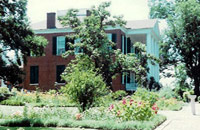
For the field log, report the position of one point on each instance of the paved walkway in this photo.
(181, 120)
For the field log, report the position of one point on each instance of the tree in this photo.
(95, 44)
(84, 85)
(182, 38)
(16, 36)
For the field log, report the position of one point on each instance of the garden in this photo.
(87, 100)
(116, 110)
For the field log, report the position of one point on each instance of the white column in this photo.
(148, 49)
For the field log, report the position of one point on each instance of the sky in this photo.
(131, 9)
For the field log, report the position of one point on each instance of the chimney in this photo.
(51, 20)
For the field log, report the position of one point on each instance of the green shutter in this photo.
(121, 43)
(124, 45)
(128, 77)
(114, 39)
(54, 45)
(128, 45)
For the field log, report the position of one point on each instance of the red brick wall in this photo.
(47, 65)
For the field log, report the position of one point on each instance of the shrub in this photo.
(167, 93)
(169, 104)
(13, 101)
(4, 90)
(52, 92)
(1, 114)
(118, 95)
(128, 110)
(198, 99)
(84, 85)
(4, 93)
(37, 96)
(145, 95)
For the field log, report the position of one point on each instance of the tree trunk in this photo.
(196, 84)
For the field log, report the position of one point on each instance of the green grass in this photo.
(30, 128)
(106, 124)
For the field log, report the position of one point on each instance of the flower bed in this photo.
(38, 100)
(99, 118)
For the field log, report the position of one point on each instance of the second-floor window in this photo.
(112, 37)
(59, 45)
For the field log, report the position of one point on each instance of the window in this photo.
(60, 45)
(59, 70)
(128, 77)
(34, 74)
(112, 37)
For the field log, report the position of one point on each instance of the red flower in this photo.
(155, 108)
(124, 101)
(131, 101)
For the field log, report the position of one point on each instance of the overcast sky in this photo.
(131, 9)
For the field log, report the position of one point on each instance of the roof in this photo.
(141, 24)
(136, 24)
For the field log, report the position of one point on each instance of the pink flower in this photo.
(155, 108)
(124, 101)
(139, 104)
(111, 107)
(118, 113)
(78, 116)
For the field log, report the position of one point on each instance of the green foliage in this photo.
(99, 113)
(1, 114)
(167, 93)
(95, 44)
(46, 99)
(186, 95)
(52, 91)
(4, 93)
(4, 90)
(118, 95)
(37, 95)
(84, 85)
(181, 40)
(13, 101)
(17, 36)
(25, 111)
(198, 99)
(145, 95)
(169, 104)
(183, 82)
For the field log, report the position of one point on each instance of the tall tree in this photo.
(181, 43)
(95, 44)
(16, 36)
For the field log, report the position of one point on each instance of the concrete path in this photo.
(181, 120)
